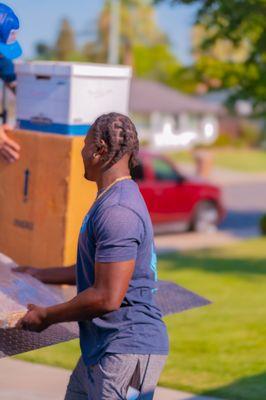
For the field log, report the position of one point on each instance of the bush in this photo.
(224, 140)
(250, 133)
(263, 224)
(250, 136)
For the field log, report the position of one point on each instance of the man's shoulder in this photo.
(116, 210)
(131, 198)
(125, 202)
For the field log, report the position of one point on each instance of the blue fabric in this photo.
(9, 23)
(7, 70)
(60, 129)
(118, 228)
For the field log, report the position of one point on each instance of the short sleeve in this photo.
(7, 70)
(118, 231)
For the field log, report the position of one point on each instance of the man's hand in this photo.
(35, 272)
(35, 320)
(9, 149)
(106, 295)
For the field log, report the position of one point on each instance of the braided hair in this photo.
(120, 135)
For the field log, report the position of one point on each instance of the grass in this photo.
(237, 159)
(218, 350)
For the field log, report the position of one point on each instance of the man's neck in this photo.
(109, 176)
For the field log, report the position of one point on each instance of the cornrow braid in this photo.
(120, 135)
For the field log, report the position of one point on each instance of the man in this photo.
(123, 339)
(9, 50)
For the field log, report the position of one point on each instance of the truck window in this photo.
(137, 173)
(163, 171)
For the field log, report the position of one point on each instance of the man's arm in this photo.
(57, 275)
(12, 86)
(9, 150)
(106, 295)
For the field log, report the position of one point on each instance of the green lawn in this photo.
(219, 350)
(245, 160)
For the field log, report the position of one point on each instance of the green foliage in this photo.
(64, 49)
(44, 52)
(155, 62)
(249, 136)
(250, 133)
(138, 27)
(65, 46)
(224, 140)
(263, 224)
(142, 45)
(242, 24)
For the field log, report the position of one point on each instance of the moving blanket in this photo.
(17, 290)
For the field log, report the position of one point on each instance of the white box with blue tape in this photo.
(65, 98)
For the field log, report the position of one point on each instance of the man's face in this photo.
(88, 152)
(92, 157)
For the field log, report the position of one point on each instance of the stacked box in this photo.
(43, 199)
(66, 98)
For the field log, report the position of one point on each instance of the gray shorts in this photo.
(114, 377)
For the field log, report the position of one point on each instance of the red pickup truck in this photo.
(177, 202)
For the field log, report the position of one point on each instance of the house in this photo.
(166, 117)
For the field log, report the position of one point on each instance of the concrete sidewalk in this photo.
(193, 241)
(21, 380)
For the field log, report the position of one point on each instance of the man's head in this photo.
(112, 142)
(9, 25)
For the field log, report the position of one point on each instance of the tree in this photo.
(65, 47)
(137, 27)
(43, 51)
(142, 44)
(155, 62)
(240, 24)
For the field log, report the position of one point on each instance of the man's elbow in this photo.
(110, 305)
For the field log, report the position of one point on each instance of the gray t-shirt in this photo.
(118, 228)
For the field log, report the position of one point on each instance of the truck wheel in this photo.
(205, 217)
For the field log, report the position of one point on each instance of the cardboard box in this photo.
(43, 199)
(65, 98)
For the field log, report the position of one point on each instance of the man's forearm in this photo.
(90, 303)
(58, 275)
(12, 86)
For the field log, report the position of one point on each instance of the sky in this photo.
(40, 21)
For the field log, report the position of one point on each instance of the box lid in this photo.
(52, 68)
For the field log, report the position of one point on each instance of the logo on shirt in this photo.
(154, 263)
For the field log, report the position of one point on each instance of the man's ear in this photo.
(103, 149)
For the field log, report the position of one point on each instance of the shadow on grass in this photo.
(248, 388)
(208, 263)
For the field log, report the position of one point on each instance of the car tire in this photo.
(205, 218)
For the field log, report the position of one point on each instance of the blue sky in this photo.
(40, 21)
